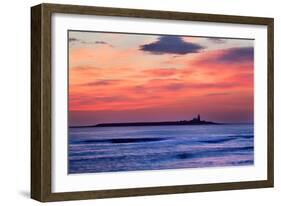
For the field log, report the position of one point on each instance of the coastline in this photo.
(134, 124)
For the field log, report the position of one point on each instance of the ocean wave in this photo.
(120, 140)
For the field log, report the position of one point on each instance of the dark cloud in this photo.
(236, 55)
(73, 40)
(103, 43)
(217, 40)
(171, 45)
(100, 42)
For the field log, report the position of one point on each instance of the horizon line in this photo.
(147, 122)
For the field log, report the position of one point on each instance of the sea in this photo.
(112, 149)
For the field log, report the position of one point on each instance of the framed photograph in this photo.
(132, 102)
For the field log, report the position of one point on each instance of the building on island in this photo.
(196, 119)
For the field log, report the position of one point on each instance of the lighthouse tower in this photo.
(198, 117)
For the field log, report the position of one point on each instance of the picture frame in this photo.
(42, 88)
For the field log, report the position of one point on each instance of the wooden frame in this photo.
(41, 102)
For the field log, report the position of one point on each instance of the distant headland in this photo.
(195, 121)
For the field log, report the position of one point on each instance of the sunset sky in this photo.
(117, 77)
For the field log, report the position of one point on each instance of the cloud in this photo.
(83, 68)
(88, 100)
(171, 45)
(100, 42)
(218, 85)
(217, 40)
(175, 86)
(236, 55)
(73, 40)
(161, 72)
(159, 86)
(103, 82)
(103, 43)
(218, 94)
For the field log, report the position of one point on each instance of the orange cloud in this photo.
(159, 72)
(108, 80)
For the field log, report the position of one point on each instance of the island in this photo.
(195, 121)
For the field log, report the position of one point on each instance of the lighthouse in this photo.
(198, 117)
